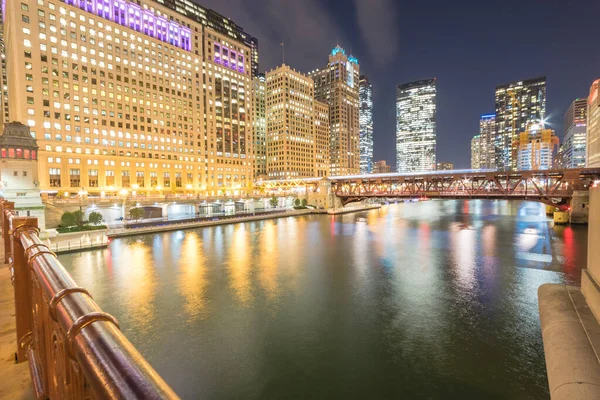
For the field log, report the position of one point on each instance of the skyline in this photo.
(459, 44)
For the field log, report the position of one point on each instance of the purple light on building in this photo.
(133, 16)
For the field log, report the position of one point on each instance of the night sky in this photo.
(469, 46)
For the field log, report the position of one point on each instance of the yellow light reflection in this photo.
(192, 279)
(239, 265)
(268, 261)
(138, 281)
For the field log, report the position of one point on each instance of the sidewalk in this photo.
(15, 382)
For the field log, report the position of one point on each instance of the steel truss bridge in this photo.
(554, 187)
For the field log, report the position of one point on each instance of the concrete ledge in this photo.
(570, 333)
(591, 292)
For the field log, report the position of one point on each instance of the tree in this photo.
(95, 218)
(79, 217)
(297, 202)
(136, 213)
(67, 219)
(304, 202)
(273, 201)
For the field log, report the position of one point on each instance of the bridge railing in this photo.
(74, 349)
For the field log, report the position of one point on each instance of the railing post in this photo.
(22, 282)
(6, 205)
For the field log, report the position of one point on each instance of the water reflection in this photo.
(408, 301)
(135, 281)
(192, 277)
(239, 266)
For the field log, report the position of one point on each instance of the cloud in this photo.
(377, 22)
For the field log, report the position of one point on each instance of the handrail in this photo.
(75, 350)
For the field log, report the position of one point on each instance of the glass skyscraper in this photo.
(416, 126)
(366, 125)
(487, 134)
(574, 140)
(518, 105)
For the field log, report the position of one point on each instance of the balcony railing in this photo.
(74, 349)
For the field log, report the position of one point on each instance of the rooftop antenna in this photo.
(283, 52)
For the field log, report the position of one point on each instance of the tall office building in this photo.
(575, 135)
(366, 125)
(518, 105)
(476, 153)
(338, 86)
(297, 129)
(259, 125)
(131, 96)
(487, 133)
(416, 126)
(593, 126)
(322, 139)
(536, 148)
(381, 167)
(206, 17)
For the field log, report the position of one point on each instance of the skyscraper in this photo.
(416, 126)
(574, 139)
(297, 129)
(366, 125)
(338, 86)
(132, 97)
(322, 139)
(593, 126)
(536, 148)
(259, 125)
(381, 167)
(208, 18)
(476, 153)
(487, 133)
(518, 105)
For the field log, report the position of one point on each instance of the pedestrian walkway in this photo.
(15, 382)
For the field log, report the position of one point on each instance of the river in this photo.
(425, 300)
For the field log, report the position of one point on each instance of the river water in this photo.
(429, 300)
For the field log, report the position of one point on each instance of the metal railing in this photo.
(74, 349)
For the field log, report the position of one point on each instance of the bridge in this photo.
(553, 187)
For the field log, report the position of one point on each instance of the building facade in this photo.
(381, 167)
(322, 139)
(130, 97)
(259, 125)
(19, 181)
(476, 153)
(416, 126)
(337, 85)
(593, 126)
(536, 149)
(572, 153)
(487, 133)
(208, 18)
(296, 134)
(366, 125)
(518, 105)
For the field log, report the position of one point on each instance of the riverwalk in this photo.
(99, 239)
(15, 382)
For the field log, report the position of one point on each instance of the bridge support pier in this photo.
(580, 206)
(570, 329)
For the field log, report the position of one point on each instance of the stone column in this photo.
(590, 278)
